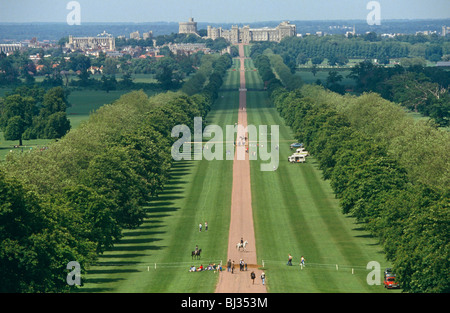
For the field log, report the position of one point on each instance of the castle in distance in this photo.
(244, 34)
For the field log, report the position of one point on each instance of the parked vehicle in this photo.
(390, 280)
(297, 158)
(302, 151)
(296, 145)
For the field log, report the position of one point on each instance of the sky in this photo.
(218, 11)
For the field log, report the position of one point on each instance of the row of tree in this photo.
(387, 170)
(72, 201)
(338, 49)
(418, 88)
(77, 71)
(268, 61)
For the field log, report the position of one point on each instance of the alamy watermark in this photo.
(74, 276)
(248, 140)
(374, 276)
(374, 16)
(74, 16)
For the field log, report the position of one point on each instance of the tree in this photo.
(36, 241)
(110, 66)
(8, 74)
(317, 60)
(164, 74)
(302, 59)
(314, 69)
(54, 100)
(17, 116)
(422, 258)
(57, 125)
(109, 83)
(127, 81)
(333, 80)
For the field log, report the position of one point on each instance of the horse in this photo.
(196, 254)
(242, 245)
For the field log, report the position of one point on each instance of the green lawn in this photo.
(198, 191)
(296, 213)
(294, 210)
(231, 81)
(83, 103)
(309, 78)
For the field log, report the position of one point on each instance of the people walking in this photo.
(252, 275)
(206, 226)
(263, 278)
(302, 261)
(200, 227)
(289, 260)
(229, 265)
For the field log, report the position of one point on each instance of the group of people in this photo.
(200, 227)
(289, 262)
(263, 277)
(230, 266)
(210, 267)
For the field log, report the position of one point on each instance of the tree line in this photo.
(72, 201)
(78, 70)
(419, 89)
(388, 171)
(415, 86)
(338, 49)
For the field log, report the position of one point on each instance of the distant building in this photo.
(247, 34)
(188, 48)
(10, 47)
(425, 32)
(445, 30)
(352, 33)
(443, 64)
(148, 35)
(187, 27)
(135, 35)
(84, 43)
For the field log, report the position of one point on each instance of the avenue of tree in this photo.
(72, 201)
(387, 170)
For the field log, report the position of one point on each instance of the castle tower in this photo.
(189, 27)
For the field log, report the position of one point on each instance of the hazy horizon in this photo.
(214, 22)
(215, 11)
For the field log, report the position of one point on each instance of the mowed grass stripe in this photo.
(295, 212)
(281, 201)
(231, 81)
(198, 191)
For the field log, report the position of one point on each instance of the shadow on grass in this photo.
(365, 234)
(137, 245)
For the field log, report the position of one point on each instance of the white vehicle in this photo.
(301, 151)
(297, 158)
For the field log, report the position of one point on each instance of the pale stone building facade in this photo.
(246, 34)
(10, 47)
(187, 27)
(104, 43)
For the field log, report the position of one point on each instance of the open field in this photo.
(294, 210)
(198, 191)
(295, 213)
(83, 103)
(309, 78)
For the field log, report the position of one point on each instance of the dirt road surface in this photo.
(241, 223)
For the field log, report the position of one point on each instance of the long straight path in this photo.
(241, 220)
